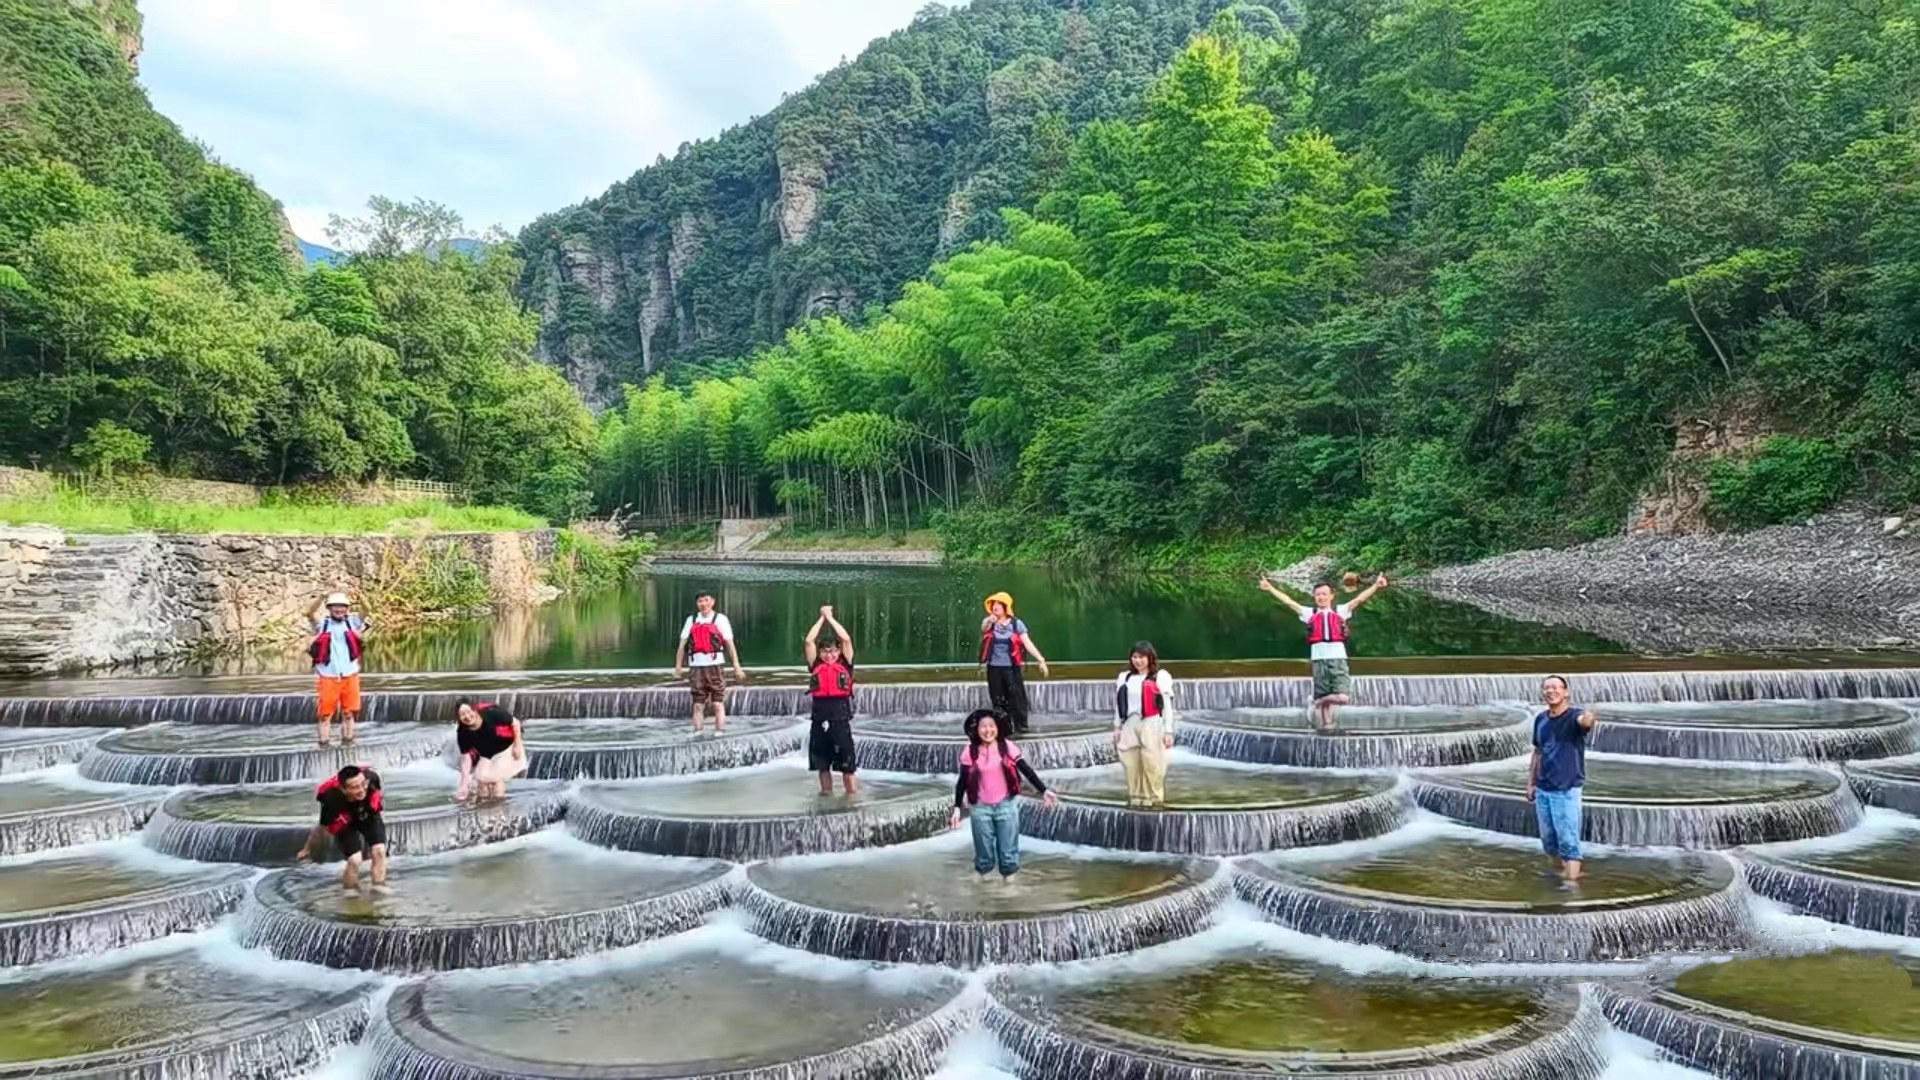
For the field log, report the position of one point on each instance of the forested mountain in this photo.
(1432, 278)
(155, 312)
(847, 190)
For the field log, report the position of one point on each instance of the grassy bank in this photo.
(76, 512)
(983, 537)
(826, 540)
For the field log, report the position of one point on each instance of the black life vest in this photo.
(832, 680)
(1151, 703)
(707, 638)
(1325, 626)
(1016, 650)
(321, 650)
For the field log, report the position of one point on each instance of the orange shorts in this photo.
(336, 693)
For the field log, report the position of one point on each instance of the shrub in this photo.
(586, 562)
(1788, 479)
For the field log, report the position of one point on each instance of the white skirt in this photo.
(501, 766)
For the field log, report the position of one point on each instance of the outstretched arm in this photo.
(1275, 591)
(811, 647)
(1367, 594)
(1586, 720)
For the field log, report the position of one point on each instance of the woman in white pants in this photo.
(1143, 726)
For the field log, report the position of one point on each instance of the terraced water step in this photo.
(1833, 730)
(616, 749)
(1455, 896)
(1837, 1014)
(1259, 1013)
(925, 904)
(1214, 809)
(104, 897)
(686, 1008)
(1873, 885)
(267, 824)
(1361, 738)
(758, 814)
(1657, 803)
(931, 742)
(43, 812)
(214, 754)
(174, 1015)
(27, 749)
(546, 898)
(1893, 783)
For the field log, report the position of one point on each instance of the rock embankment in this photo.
(1838, 581)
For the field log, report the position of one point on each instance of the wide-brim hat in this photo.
(338, 599)
(1005, 598)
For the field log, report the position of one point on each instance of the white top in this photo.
(340, 662)
(700, 659)
(1327, 650)
(1130, 682)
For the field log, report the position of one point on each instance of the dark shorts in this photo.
(709, 684)
(830, 741)
(1331, 677)
(362, 837)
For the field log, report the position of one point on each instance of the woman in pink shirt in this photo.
(990, 772)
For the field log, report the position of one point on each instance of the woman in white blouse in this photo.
(1143, 726)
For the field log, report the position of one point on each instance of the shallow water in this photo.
(1846, 991)
(29, 795)
(1893, 858)
(1666, 783)
(233, 739)
(637, 731)
(1753, 714)
(938, 882)
(951, 726)
(756, 793)
(1360, 720)
(402, 790)
(1192, 786)
(88, 878)
(1460, 868)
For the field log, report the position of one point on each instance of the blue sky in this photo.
(502, 109)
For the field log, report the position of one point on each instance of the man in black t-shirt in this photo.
(830, 739)
(350, 805)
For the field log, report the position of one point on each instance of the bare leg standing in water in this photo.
(830, 746)
(350, 805)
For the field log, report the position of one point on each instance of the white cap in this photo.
(338, 599)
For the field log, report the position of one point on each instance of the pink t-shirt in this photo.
(993, 776)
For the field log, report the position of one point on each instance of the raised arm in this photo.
(846, 639)
(1366, 594)
(811, 646)
(1275, 591)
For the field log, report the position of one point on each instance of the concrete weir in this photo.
(1216, 810)
(29, 749)
(267, 825)
(1286, 1016)
(757, 814)
(190, 754)
(1758, 730)
(1874, 886)
(615, 749)
(1659, 804)
(676, 1011)
(41, 813)
(541, 899)
(1840, 1015)
(925, 905)
(98, 899)
(1894, 783)
(931, 742)
(1362, 737)
(1458, 897)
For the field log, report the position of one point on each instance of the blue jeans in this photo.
(1559, 814)
(996, 836)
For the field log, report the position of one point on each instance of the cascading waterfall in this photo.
(1562, 1045)
(33, 749)
(1714, 825)
(1883, 907)
(1215, 832)
(1878, 785)
(978, 942)
(893, 753)
(1384, 751)
(1047, 696)
(1713, 922)
(92, 818)
(1891, 737)
(1726, 1049)
(744, 838)
(166, 756)
(102, 926)
(612, 760)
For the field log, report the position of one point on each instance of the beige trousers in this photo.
(1144, 755)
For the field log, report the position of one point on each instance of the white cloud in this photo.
(503, 109)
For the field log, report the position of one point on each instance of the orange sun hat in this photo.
(1004, 598)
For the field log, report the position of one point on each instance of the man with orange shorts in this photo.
(339, 634)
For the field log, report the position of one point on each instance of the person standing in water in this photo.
(830, 739)
(1143, 726)
(1558, 772)
(711, 636)
(339, 637)
(350, 812)
(1004, 645)
(1327, 642)
(491, 750)
(990, 772)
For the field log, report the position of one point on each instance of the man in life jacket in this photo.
(339, 636)
(1327, 642)
(830, 685)
(350, 805)
(710, 636)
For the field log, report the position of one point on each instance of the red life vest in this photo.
(1016, 651)
(1325, 626)
(322, 648)
(1008, 764)
(1151, 703)
(707, 637)
(345, 817)
(832, 680)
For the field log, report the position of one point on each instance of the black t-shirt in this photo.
(337, 811)
(494, 734)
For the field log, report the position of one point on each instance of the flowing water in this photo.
(1843, 991)
(1468, 871)
(620, 749)
(1617, 780)
(1192, 784)
(24, 749)
(174, 753)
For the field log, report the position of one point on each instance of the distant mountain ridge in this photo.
(312, 253)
